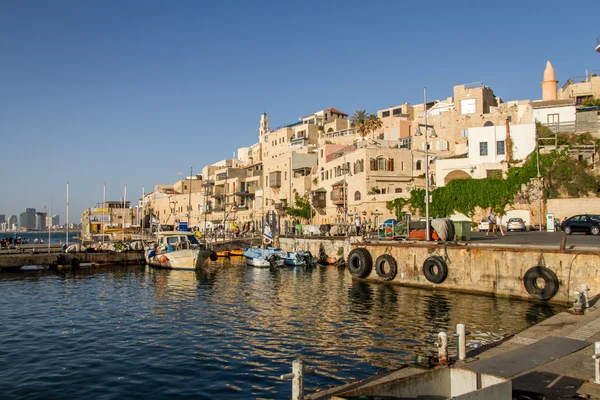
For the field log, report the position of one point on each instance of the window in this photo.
(398, 190)
(553, 119)
(419, 165)
(397, 111)
(357, 195)
(322, 173)
(464, 133)
(488, 123)
(441, 145)
(385, 114)
(483, 149)
(405, 143)
(285, 176)
(509, 118)
(500, 148)
(381, 164)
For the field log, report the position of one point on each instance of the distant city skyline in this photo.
(131, 93)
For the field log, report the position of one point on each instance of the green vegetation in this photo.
(592, 102)
(561, 175)
(365, 123)
(301, 208)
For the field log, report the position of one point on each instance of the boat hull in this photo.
(186, 259)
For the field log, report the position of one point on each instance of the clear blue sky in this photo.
(131, 92)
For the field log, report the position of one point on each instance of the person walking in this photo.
(491, 223)
(499, 223)
(357, 224)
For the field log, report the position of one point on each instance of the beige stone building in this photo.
(581, 88)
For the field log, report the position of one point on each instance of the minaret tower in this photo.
(264, 125)
(549, 83)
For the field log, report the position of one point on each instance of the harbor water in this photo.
(225, 332)
(56, 237)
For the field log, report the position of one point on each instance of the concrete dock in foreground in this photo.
(550, 360)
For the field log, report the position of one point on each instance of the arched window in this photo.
(322, 174)
(419, 165)
(381, 164)
(357, 195)
(488, 123)
(329, 130)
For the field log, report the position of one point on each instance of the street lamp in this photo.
(432, 135)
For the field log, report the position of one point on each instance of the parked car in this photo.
(515, 224)
(586, 223)
(484, 225)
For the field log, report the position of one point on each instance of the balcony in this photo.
(275, 179)
(338, 195)
(319, 198)
(241, 207)
(280, 206)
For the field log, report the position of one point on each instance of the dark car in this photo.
(585, 223)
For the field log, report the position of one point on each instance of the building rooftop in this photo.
(552, 103)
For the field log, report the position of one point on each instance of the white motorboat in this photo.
(264, 257)
(178, 250)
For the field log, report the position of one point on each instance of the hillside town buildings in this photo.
(344, 175)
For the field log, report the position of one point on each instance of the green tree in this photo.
(592, 102)
(360, 121)
(301, 208)
(397, 207)
(373, 123)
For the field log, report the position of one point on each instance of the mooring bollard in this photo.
(462, 341)
(596, 358)
(585, 290)
(297, 377)
(577, 303)
(443, 347)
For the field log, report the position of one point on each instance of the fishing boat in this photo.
(264, 257)
(224, 253)
(236, 252)
(300, 259)
(178, 250)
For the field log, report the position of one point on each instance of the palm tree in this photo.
(373, 123)
(359, 120)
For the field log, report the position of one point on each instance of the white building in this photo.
(486, 153)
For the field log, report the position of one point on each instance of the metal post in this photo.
(585, 290)
(427, 233)
(539, 175)
(462, 341)
(443, 347)
(297, 377)
(596, 358)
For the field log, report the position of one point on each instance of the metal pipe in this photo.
(427, 233)
(462, 341)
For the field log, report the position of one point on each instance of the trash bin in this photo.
(462, 230)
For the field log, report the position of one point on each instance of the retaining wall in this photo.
(489, 270)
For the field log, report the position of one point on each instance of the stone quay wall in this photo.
(488, 270)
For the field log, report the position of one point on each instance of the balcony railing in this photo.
(338, 197)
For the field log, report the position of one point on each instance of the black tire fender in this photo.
(272, 260)
(550, 288)
(435, 269)
(213, 256)
(74, 263)
(360, 262)
(392, 269)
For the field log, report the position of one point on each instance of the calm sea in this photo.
(55, 237)
(226, 332)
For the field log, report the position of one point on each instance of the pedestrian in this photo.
(499, 223)
(491, 223)
(357, 224)
(369, 225)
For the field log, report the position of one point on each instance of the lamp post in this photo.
(433, 135)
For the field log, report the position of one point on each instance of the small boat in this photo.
(264, 257)
(224, 253)
(178, 250)
(236, 252)
(300, 259)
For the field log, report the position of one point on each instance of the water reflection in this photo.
(227, 331)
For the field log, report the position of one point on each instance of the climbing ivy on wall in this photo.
(561, 174)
